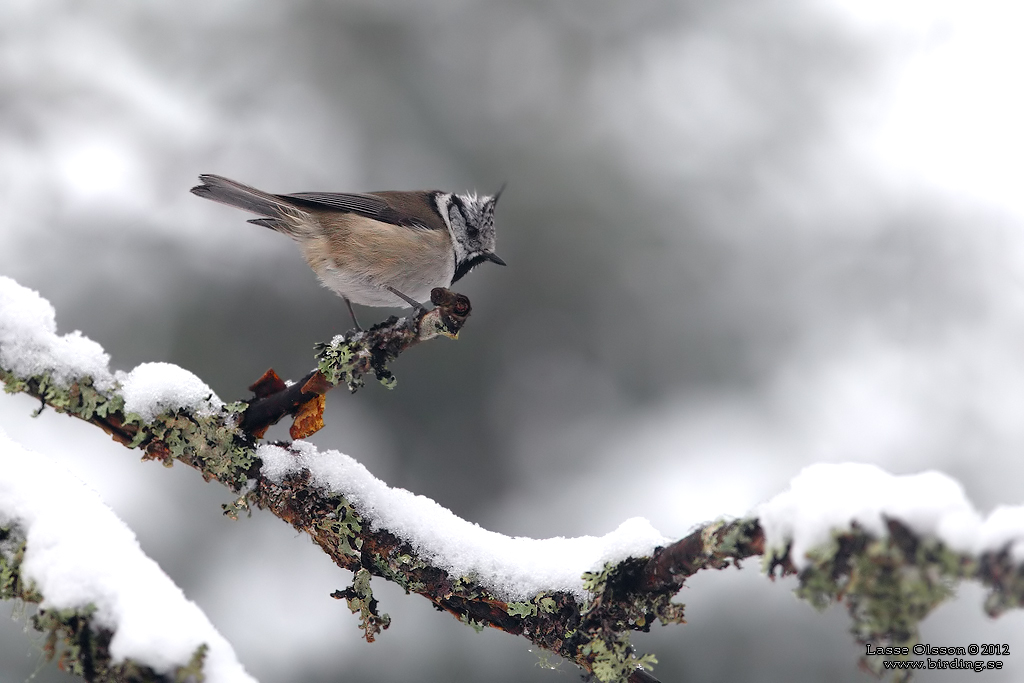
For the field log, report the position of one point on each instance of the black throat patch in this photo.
(462, 268)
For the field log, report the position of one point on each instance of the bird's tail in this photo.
(279, 214)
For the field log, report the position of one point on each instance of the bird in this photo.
(373, 248)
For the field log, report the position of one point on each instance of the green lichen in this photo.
(386, 378)
(61, 628)
(594, 582)
(345, 525)
(612, 659)
(732, 539)
(360, 600)
(235, 408)
(477, 626)
(469, 587)
(399, 567)
(12, 554)
(80, 398)
(522, 609)
(211, 444)
(12, 384)
(239, 505)
(335, 362)
(193, 671)
(889, 584)
(611, 613)
(1008, 594)
(542, 603)
(80, 647)
(346, 360)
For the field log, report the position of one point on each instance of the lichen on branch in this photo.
(347, 359)
(75, 638)
(889, 577)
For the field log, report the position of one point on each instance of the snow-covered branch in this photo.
(110, 612)
(890, 547)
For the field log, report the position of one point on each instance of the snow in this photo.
(829, 497)
(511, 568)
(79, 553)
(152, 388)
(29, 344)
(1004, 527)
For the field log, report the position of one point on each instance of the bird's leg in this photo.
(407, 299)
(353, 314)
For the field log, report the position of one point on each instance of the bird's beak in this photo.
(493, 258)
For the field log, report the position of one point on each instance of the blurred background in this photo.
(742, 237)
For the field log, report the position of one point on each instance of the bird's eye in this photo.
(472, 230)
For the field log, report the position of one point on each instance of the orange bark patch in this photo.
(310, 418)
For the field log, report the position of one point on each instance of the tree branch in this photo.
(108, 611)
(348, 360)
(889, 581)
(80, 645)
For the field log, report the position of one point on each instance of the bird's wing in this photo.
(363, 204)
(371, 206)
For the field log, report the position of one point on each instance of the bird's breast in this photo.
(359, 257)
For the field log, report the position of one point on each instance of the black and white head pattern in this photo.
(470, 220)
